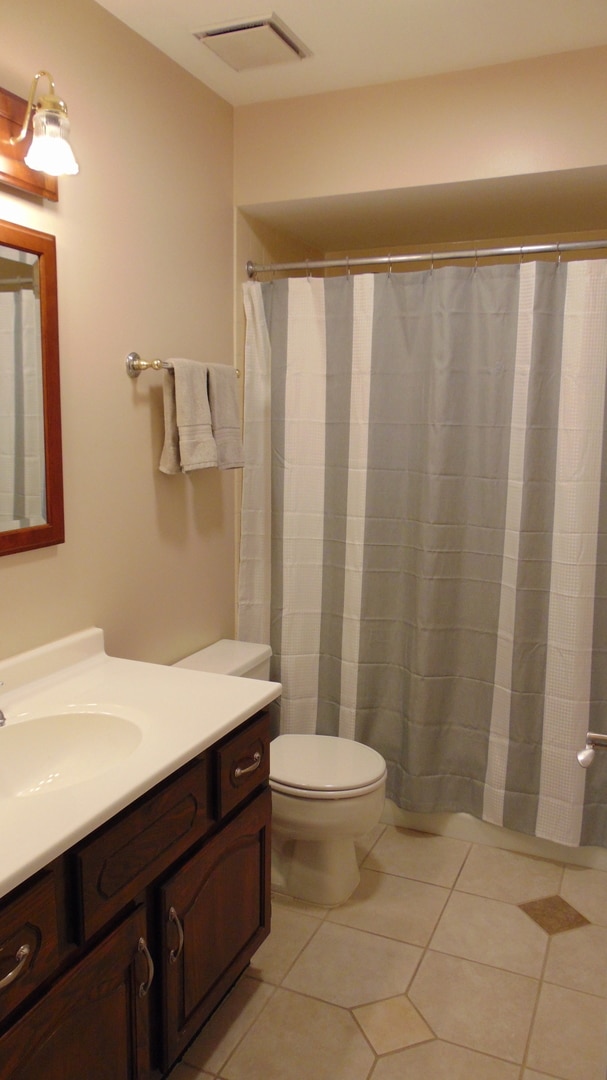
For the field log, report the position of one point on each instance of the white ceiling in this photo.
(365, 42)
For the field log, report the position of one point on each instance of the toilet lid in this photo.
(324, 766)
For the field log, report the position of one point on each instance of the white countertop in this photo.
(179, 713)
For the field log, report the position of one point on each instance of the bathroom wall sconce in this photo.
(31, 160)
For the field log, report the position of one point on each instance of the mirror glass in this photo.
(31, 490)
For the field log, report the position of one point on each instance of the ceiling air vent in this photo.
(254, 43)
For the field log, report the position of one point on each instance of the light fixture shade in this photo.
(50, 151)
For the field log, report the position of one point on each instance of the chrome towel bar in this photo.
(135, 365)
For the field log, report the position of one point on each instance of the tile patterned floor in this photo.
(451, 961)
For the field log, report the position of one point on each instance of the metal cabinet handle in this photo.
(21, 956)
(176, 953)
(250, 768)
(145, 986)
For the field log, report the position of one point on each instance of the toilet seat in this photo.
(324, 767)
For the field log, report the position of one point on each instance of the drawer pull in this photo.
(145, 986)
(176, 953)
(250, 768)
(21, 956)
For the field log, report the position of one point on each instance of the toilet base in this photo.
(324, 873)
(313, 844)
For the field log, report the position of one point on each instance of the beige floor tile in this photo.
(491, 932)
(392, 1024)
(291, 931)
(284, 901)
(578, 960)
(569, 1035)
(531, 1074)
(395, 907)
(421, 856)
(476, 1006)
(350, 967)
(587, 891)
(506, 875)
(299, 1038)
(442, 1061)
(188, 1072)
(228, 1024)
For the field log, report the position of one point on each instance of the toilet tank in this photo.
(227, 657)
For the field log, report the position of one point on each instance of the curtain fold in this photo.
(424, 528)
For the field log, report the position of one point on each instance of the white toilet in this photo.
(326, 792)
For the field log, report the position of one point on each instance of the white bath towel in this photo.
(225, 416)
(188, 435)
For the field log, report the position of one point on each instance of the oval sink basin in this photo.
(51, 752)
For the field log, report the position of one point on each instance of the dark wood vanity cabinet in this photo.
(135, 935)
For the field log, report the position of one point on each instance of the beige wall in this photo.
(145, 247)
(515, 119)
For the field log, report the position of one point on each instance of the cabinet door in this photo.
(216, 913)
(93, 1022)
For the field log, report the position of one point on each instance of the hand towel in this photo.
(188, 441)
(225, 416)
(169, 458)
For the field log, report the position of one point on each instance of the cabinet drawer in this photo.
(29, 950)
(129, 853)
(243, 763)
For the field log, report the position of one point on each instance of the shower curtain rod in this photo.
(427, 256)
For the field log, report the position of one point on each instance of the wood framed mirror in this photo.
(31, 469)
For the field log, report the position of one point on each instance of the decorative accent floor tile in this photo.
(392, 1024)
(554, 914)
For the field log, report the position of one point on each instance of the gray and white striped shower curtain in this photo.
(424, 529)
